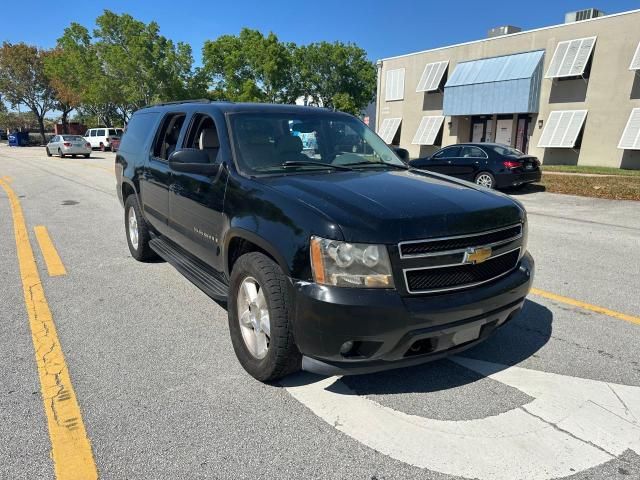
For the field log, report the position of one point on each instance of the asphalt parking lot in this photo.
(158, 393)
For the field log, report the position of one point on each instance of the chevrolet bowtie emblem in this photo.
(477, 255)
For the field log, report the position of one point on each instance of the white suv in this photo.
(102, 137)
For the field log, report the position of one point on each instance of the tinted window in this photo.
(138, 130)
(93, 133)
(449, 152)
(504, 150)
(100, 133)
(112, 132)
(473, 152)
(167, 137)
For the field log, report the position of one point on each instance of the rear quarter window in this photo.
(139, 129)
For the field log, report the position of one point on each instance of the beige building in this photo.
(569, 93)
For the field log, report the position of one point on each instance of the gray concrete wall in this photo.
(609, 94)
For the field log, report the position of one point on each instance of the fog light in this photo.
(346, 347)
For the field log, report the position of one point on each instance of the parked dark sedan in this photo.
(491, 165)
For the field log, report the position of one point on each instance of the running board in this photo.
(202, 276)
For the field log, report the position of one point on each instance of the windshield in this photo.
(277, 143)
(504, 150)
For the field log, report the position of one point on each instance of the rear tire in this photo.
(486, 179)
(48, 152)
(137, 231)
(74, 155)
(60, 153)
(271, 296)
(87, 155)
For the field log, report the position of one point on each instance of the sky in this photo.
(383, 28)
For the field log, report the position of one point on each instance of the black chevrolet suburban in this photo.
(330, 253)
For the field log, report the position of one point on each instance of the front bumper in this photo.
(391, 331)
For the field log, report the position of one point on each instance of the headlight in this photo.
(344, 264)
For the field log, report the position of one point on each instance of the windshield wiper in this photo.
(367, 163)
(302, 163)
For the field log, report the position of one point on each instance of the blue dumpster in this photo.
(18, 139)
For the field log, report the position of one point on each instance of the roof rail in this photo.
(199, 100)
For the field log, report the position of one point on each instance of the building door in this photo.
(504, 131)
(477, 132)
(522, 134)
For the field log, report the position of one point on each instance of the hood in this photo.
(392, 206)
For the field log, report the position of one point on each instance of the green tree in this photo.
(249, 67)
(141, 66)
(23, 80)
(334, 75)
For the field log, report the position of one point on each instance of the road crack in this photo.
(566, 432)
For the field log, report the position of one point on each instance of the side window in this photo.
(473, 152)
(449, 152)
(87, 133)
(203, 135)
(100, 133)
(139, 129)
(167, 137)
(92, 133)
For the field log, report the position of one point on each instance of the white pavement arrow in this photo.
(571, 425)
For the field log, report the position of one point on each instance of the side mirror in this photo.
(192, 160)
(402, 153)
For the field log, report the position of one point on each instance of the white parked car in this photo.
(68, 145)
(102, 137)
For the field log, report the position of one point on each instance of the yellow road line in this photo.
(55, 267)
(70, 446)
(586, 306)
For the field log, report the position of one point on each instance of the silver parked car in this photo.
(68, 145)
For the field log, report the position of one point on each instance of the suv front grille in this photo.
(425, 280)
(425, 248)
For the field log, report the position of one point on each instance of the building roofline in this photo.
(523, 32)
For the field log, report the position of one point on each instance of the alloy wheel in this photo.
(133, 228)
(253, 316)
(485, 180)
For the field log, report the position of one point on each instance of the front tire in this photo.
(137, 231)
(260, 318)
(486, 179)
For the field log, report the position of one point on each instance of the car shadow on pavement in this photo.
(526, 189)
(518, 340)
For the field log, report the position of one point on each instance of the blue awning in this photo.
(507, 84)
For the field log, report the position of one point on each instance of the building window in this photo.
(428, 130)
(635, 61)
(388, 129)
(562, 129)
(432, 76)
(394, 85)
(630, 139)
(571, 58)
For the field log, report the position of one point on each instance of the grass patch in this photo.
(616, 188)
(590, 170)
